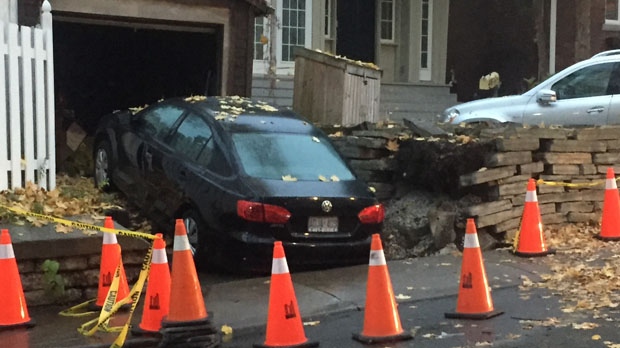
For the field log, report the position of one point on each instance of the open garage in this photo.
(103, 66)
(111, 54)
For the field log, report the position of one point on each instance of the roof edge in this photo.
(262, 6)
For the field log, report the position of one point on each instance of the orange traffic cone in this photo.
(110, 257)
(531, 240)
(474, 298)
(187, 323)
(381, 319)
(610, 221)
(157, 298)
(284, 326)
(14, 312)
(187, 303)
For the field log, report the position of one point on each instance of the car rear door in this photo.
(183, 170)
(583, 98)
(149, 129)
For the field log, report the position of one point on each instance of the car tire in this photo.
(197, 240)
(103, 166)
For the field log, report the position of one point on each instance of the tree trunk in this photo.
(542, 38)
(582, 36)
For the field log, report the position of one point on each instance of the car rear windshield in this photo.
(284, 156)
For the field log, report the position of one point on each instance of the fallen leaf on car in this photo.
(195, 98)
(372, 189)
(267, 108)
(334, 178)
(322, 178)
(289, 178)
(316, 140)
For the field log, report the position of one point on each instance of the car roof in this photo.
(240, 114)
(606, 53)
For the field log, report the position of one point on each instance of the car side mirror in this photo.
(546, 96)
(124, 116)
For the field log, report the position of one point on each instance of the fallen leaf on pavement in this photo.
(226, 330)
(312, 323)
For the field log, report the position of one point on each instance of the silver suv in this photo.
(586, 93)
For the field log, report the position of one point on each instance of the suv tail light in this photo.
(259, 212)
(372, 215)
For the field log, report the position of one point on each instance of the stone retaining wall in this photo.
(494, 165)
(371, 154)
(78, 255)
(572, 164)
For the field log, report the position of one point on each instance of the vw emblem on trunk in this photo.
(326, 206)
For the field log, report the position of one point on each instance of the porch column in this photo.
(552, 31)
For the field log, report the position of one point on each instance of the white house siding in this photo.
(399, 61)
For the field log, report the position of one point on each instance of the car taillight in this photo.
(259, 212)
(372, 215)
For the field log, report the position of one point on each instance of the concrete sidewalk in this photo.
(243, 304)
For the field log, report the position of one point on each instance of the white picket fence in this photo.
(27, 135)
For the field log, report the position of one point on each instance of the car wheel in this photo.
(104, 164)
(196, 229)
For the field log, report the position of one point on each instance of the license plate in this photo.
(323, 224)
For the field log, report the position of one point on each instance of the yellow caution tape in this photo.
(80, 225)
(111, 306)
(568, 184)
(79, 310)
(515, 241)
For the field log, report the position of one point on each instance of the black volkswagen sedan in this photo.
(242, 174)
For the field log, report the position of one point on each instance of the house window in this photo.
(426, 32)
(328, 19)
(260, 38)
(387, 21)
(611, 12)
(292, 26)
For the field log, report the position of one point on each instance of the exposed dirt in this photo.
(435, 166)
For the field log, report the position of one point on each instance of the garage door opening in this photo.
(102, 68)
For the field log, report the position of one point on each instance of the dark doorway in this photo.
(356, 29)
(100, 68)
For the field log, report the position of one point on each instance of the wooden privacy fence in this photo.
(27, 135)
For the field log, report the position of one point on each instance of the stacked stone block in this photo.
(369, 155)
(571, 163)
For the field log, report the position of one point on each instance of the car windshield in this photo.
(285, 156)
